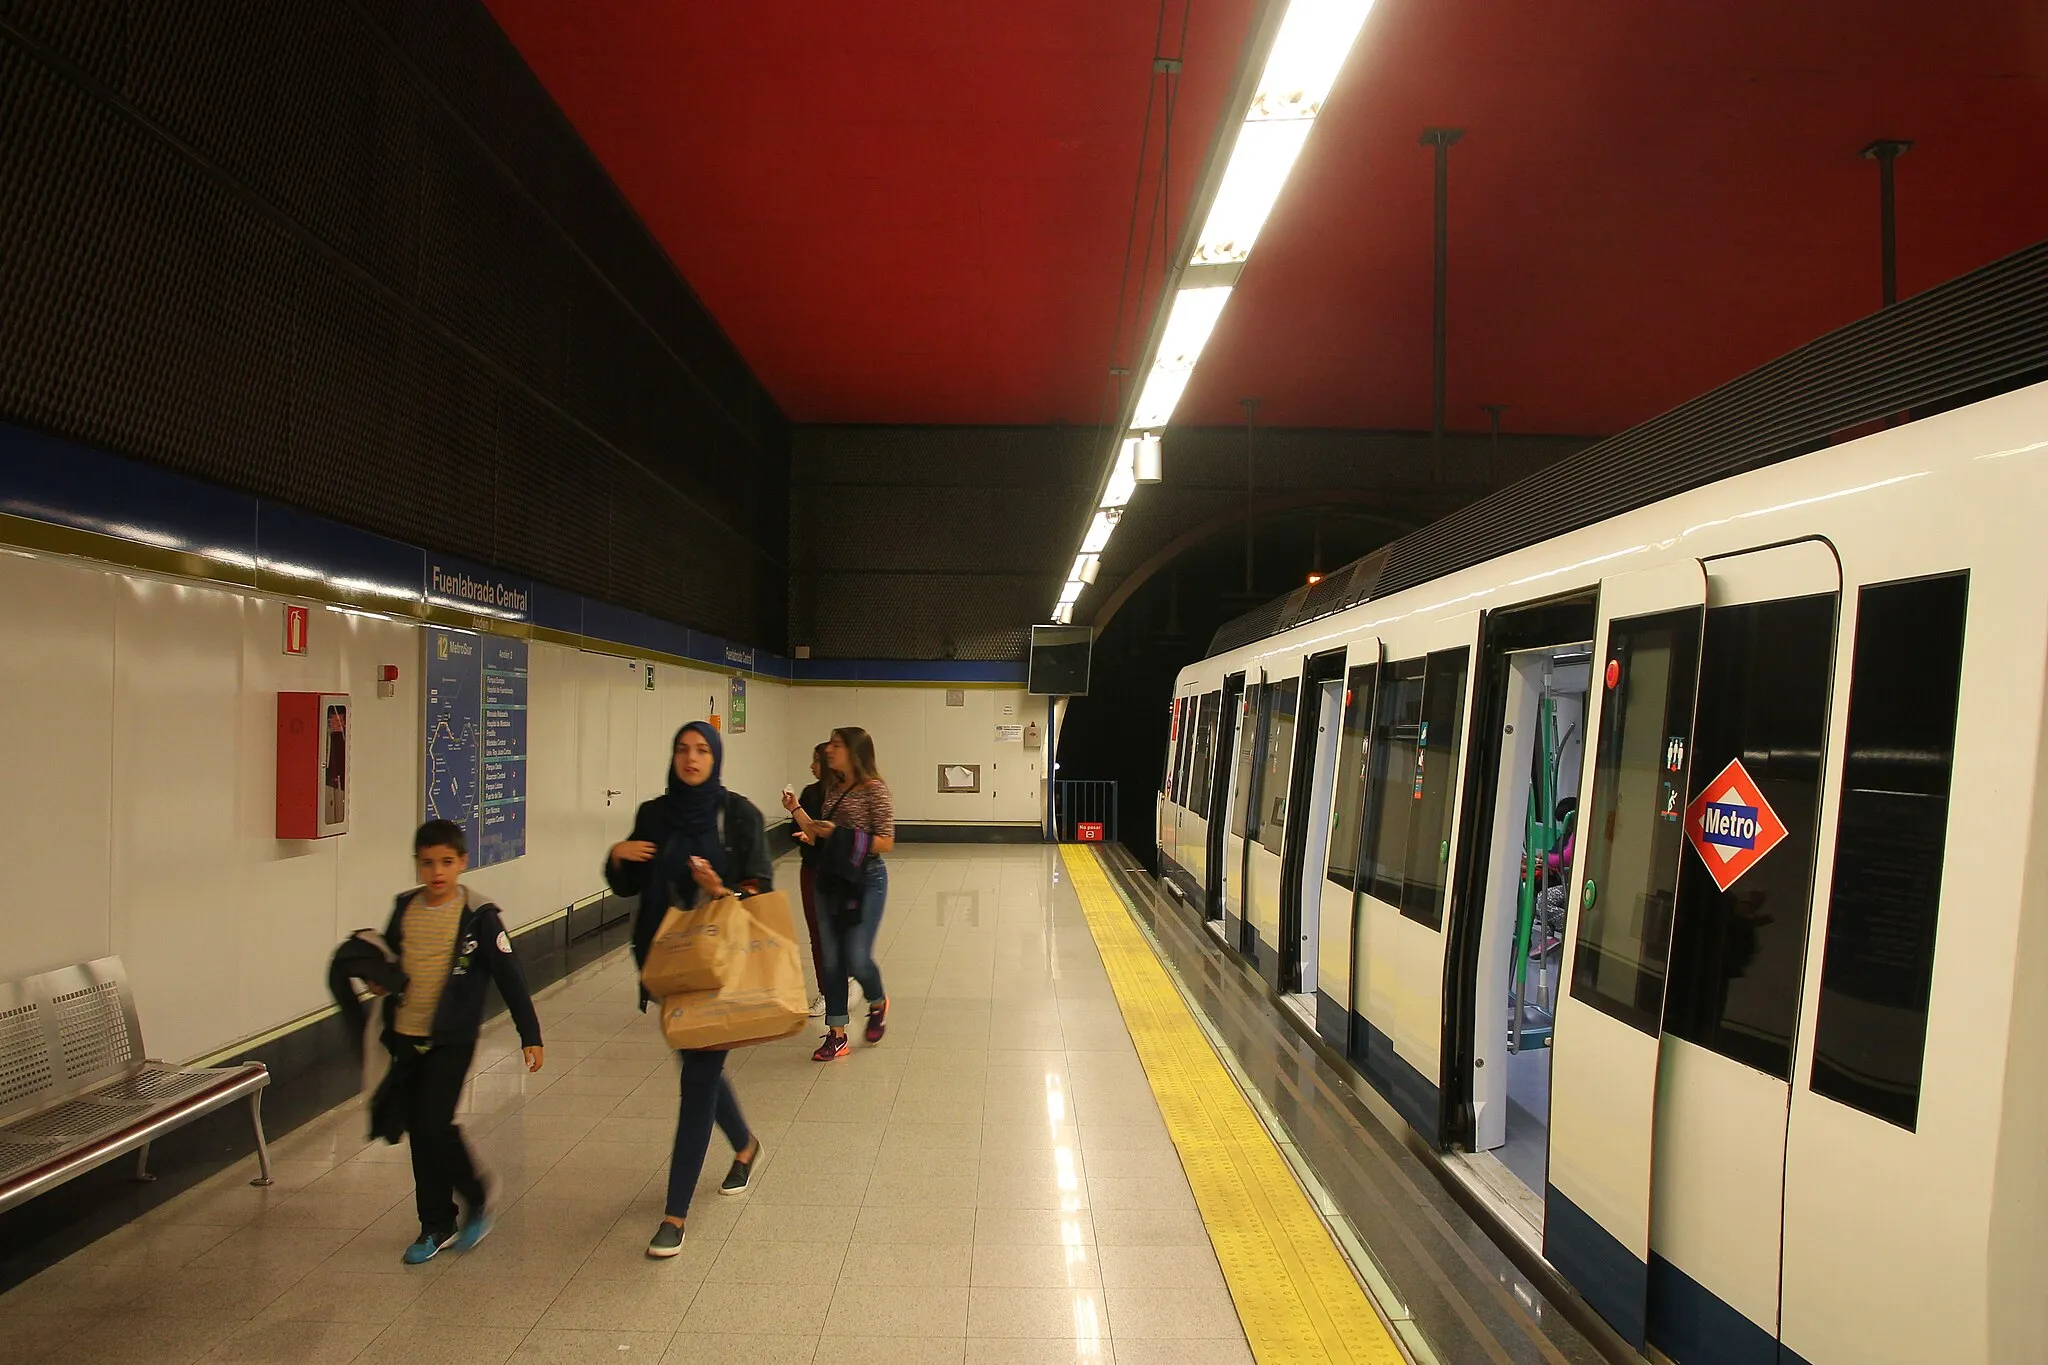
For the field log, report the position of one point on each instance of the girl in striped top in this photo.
(856, 799)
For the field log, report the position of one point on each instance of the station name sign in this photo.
(479, 590)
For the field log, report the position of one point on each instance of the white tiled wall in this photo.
(915, 731)
(137, 783)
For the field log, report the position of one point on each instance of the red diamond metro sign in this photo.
(1731, 826)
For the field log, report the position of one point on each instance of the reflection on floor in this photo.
(993, 1183)
(1527, 1150)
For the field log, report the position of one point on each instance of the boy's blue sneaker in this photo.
(427, 1247)
(475, 1228)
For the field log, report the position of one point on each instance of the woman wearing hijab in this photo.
(690, 846)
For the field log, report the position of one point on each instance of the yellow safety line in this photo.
(1295, 1294)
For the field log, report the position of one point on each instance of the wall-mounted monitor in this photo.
(1059, 660)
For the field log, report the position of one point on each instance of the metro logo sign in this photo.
(1731, 826)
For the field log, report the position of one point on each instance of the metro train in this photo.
(1681, 880)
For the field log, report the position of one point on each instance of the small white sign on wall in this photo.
(1009, 734)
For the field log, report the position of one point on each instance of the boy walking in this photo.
(448, 941)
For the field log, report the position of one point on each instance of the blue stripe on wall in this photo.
(47, 479)
(1596, 1264)
(1694, 1326)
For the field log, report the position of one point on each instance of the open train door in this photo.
(1596, 1226)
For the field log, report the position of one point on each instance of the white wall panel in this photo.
(138, 766)
(56, 693)
(178, 819)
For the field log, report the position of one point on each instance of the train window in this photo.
(1166, 763)
(1349, 808)
(1390, 798)
(1737, 955)
(1870, 1031)
(1201, 780)
(1436, 773)
(1279, 762)
(1247, 739)
(1181, 764)
(1630, 847)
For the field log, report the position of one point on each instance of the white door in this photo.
(1596, 1226)
(1738, 956)
(1338, 886)
(600, 820)
(1329, 720)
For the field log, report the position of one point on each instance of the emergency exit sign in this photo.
(296, 620)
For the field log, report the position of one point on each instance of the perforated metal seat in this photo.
(77, 1092)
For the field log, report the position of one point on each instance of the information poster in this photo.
(503, 788)
(453, 691)
(474, 772)
(738, 706)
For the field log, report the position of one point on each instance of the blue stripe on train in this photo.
(1596, 1264)
(1692, 1325)
(1413, 1094)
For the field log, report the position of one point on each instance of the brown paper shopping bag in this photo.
(762, 996)
(692, 950)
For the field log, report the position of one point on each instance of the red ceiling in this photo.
(903, 212)
(1648, 200)
(917, 212)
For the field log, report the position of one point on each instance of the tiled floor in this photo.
(991, 1185)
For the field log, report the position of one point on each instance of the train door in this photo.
(1514, 857)
(1338, 888)
(1738, 955)
(1163, 812)
(1243, 825)
(1229, 717)
(1195, 815)
(1273, 758)
(1414, 769)
(1305, 847)
(1674, 1046)
(1596, 1216)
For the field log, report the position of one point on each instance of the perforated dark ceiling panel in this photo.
(932, 542)
(1979, 334)
(350, 257)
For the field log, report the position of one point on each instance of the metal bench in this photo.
(76, 1091)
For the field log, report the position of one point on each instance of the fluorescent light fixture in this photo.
(1063, 614)
(1258, 170)
(1314, 40)
(1187, 331)
(1099, 531)
(1150, 465)
(1308, 52)
(1070, 592)
(1123, 479)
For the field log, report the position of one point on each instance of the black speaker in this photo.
(1059, 660)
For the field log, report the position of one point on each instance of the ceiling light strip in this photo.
(1297, 49)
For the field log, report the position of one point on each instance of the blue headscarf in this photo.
(696, 813)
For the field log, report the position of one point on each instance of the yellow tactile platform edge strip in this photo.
(1295, 1294)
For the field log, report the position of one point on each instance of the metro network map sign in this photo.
(1731, 826)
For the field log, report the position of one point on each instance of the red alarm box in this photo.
(312, 764)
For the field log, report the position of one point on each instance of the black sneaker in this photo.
(668, 1241)
(741, 1176)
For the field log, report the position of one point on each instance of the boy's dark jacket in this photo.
(483, 952)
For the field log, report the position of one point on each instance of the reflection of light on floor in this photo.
(1063, 1163)
(1087, 1327)
(1055, 1102)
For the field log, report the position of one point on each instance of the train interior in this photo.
(1541, 757)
